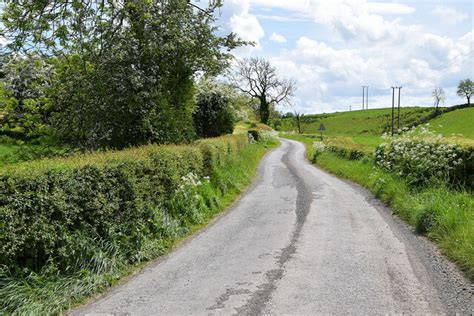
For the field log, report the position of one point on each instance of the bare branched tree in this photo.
(438, 96)
(257, 78)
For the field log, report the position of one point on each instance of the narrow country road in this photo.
(299, 242)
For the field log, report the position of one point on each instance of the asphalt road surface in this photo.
(299, 242)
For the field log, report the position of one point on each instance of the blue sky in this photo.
(333, 47)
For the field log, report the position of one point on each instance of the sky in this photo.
(334, 47)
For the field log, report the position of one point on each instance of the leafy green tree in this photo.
(125, 68)
(257, 78)
(25, 105)
(214, 114)
(466, 89)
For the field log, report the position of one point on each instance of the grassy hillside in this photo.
(456, 122)
(363, 122)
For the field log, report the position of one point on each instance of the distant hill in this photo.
(362, 122)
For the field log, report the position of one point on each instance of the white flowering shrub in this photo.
(261, 135)
(318, 149)
(421, 159)
(266, 135)
(186, 203)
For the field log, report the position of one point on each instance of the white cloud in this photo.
(247, 27)
(281, 18)
(373, 48)
(350, 18)
(275, 37)
(329, 78)
(244, 24)
(390, 8)
(449, 15)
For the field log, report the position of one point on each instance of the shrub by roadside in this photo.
(70, 227)
(421, 160)
(262, 134)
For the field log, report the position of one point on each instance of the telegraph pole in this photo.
(399, 89)
(367, 98)
(363, 96)
(393, 106)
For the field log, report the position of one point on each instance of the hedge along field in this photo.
(71, 227)
(443, 212)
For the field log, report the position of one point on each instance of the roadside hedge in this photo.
(59, 212)
(348, 153)
(422, 160)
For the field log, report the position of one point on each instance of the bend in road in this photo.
(299, 241)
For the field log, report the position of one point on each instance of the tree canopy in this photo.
(124, 70)
(466, 89)
(214, 114)
(257, 78)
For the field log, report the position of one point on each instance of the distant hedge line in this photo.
(58, 211)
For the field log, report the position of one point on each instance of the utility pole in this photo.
(399, 89)
(363, 97)
(367, 98)
(393, 106)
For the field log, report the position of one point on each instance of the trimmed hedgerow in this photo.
(58, 213)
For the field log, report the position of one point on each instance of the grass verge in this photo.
(444, 215)
(47, 292)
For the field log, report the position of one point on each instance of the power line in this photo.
(439, 67)
(445, 66)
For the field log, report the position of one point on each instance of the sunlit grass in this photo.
(459, 122)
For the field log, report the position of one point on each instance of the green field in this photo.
(363, 122)
(362, 130)
(458, 122)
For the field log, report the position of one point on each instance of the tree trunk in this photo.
(298, 123)
(264, 111)
(469, 101)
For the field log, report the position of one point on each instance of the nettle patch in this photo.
(421, 160)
